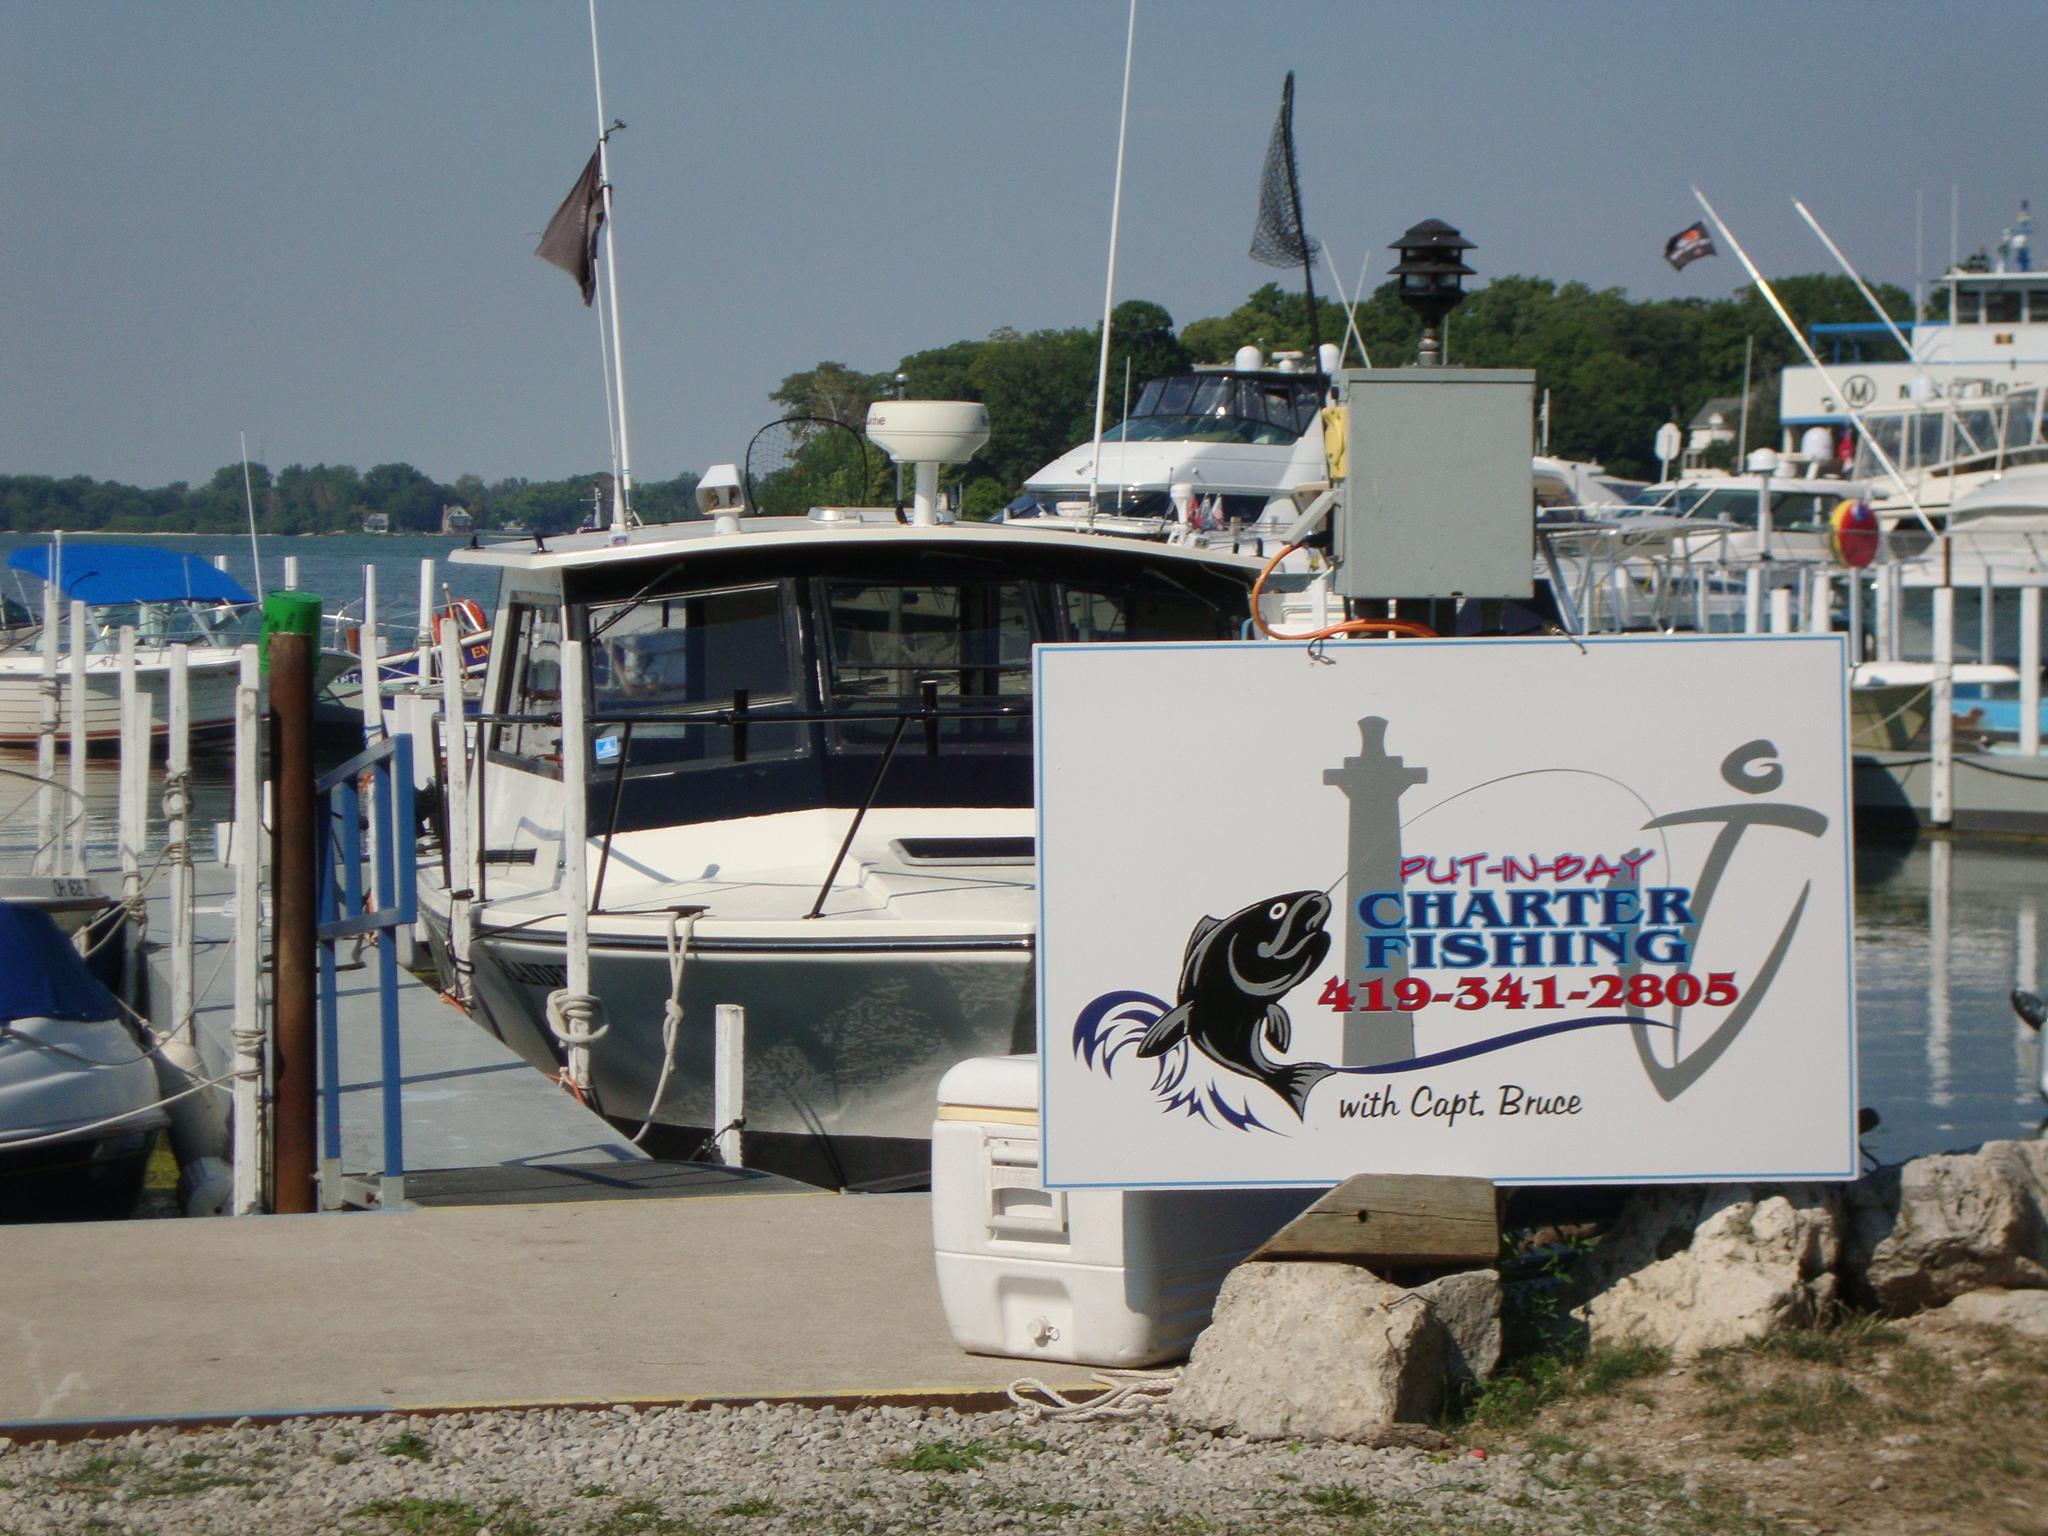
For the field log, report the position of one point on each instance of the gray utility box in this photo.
(1438, 496)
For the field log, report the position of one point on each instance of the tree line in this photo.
(1615, 368)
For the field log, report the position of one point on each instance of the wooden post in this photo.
(1781, 611)
(75, 819)
(1753, 600)
(1821, 615)
(1855, 618)
(729, 1081)
(249, 1031)
(293, 812)
(1389, 1220)
(423, 641)
(2030, 670)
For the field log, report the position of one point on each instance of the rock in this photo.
(1314, 1352)
(1925, 1232)
(1690, 1269)
(2021, 1311)
(1468, 1306)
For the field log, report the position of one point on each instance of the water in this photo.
(329, 564)
(1944, 931)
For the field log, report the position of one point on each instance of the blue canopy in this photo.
(41, 975)
(131, 573)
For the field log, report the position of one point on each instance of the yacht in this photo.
(806, 758)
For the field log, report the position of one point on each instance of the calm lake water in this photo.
(1943, 931)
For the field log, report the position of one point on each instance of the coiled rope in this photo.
(1126, 1395)
(574, 1021)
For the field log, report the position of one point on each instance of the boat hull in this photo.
(845, 1044)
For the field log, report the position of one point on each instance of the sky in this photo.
(314, 223)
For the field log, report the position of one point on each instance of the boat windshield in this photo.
(1737, 505)
(1221, 408)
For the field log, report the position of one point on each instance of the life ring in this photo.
(1853, 533)
(467, 613)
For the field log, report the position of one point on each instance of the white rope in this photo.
(10, 1143)
(573, 1021)
(1127, 1395)
(681, 925)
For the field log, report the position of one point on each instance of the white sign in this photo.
(1525, 910)
(1668, 442)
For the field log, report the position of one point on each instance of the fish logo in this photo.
(1232, 978)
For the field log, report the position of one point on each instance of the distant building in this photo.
(1715, 422)
(376, 522)
(457, 520)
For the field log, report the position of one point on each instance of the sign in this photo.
(1668, 442)
(1531, 910)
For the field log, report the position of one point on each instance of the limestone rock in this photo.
(1314, 1352)
(1468, 1306)
(1696, 1268)
(1927, 1231)
(2021, 1311)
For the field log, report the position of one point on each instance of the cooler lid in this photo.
(1007, 1083)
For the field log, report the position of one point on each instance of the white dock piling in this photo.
(1821, 611)
(1802, 603)
(291, 573)
(1781, 610)
(1753, 600)
(47, 859)
(75, 819)
(576, 866)
(250, 1036)
(1987, 612)
(1942, 721)
(1895, 584)
(423, 640)
(2030, 670)
(133, 821)
(177, 841)
(729, 1081)
(1855, 594)
(460, 783)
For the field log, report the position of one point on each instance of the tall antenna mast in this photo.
(1116, 208)
(249, 495)
(622, 482)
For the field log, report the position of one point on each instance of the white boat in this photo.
(1963, 407)
(78, 1092)
(171, 599)
(810, 769)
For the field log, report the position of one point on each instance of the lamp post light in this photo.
(1431, 270)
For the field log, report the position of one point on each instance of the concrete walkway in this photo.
(807, 1295)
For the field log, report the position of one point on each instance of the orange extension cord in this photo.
(1348, 627)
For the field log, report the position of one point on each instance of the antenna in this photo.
(622, 482)
(1116, 208)
(1799, 340)
(249, 495)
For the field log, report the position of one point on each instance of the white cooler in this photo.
(1090, 1277)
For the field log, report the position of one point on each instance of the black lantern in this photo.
(1431, 270)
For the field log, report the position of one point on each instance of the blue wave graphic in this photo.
(1493, 1043)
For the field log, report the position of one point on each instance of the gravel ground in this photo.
(775, 1468)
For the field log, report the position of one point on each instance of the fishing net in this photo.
(1278, 239)
(801, 462)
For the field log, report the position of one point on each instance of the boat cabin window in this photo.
(692, 651)
(2002, 306)
(1104, 613)
(1221, 408)
(532, 686)
(1968, 309)
(882, 641)
(2037, 306)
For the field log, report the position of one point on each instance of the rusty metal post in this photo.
(294, 984)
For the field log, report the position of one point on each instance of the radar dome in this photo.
(928, 431)
(1248, 359)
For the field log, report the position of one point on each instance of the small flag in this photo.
(1689, 244)
(570, 240)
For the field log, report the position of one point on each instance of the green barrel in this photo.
(290, 613)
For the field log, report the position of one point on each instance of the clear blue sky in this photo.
(315, 222)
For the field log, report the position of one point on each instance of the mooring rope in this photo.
(681, 925)
(1126, 1395)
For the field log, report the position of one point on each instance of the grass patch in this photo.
(410, 1446)
(638, 1517)
(947, 1456)
(425, 1517)
(1340, 1499)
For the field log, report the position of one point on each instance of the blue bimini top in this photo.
(105, 574)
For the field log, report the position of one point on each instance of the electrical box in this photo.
(1439, 499)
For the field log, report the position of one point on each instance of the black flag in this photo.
(1278, 239)
(570, 240)
(1689, 244)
